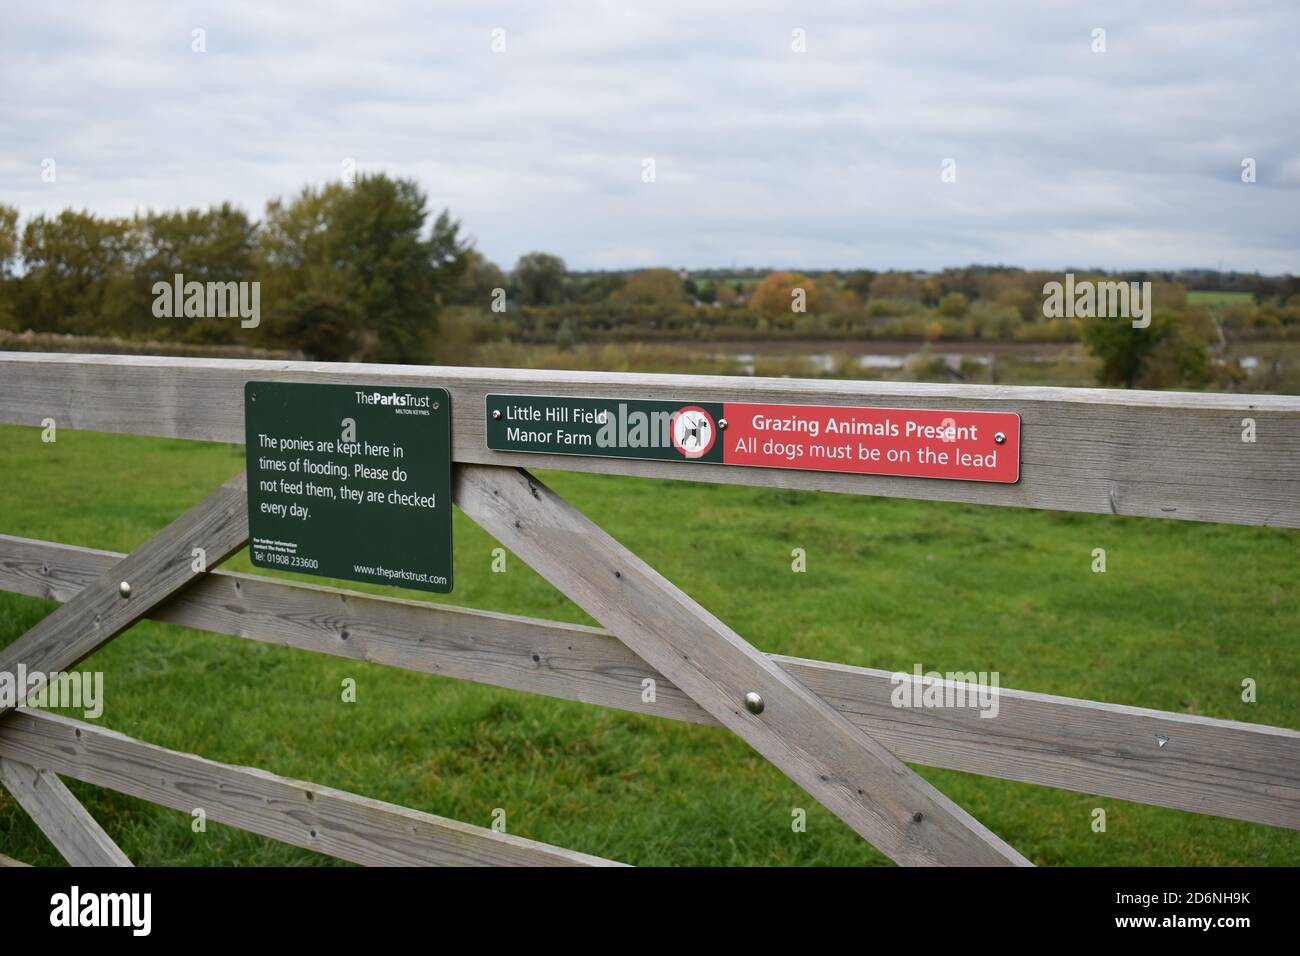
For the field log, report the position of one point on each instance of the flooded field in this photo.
(1254, 366)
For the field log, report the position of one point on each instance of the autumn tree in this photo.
(652, 287)
(785, 294)
(953, 305)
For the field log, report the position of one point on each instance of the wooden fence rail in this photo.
(329, 821)
(830, 727)
(1221, 767)
(1155, 454)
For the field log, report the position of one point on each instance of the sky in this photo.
(690, 134)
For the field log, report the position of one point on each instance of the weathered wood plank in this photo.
(60, 815)
(10, 861)
(154, 571)
(569, 661)
(1223, 767)
(846, 770)
(1158, 454)
(323, 819)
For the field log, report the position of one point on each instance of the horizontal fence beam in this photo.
(333, 822)
(1156, 454)
(1221, 767)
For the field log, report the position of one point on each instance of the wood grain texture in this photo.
(1157, 454)
(154, 571)
(10, 861)
(1222, 767)
(60, 816)
(307, 815)
(848, 772)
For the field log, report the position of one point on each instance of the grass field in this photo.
(1182, 615)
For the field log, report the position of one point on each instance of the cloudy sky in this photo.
(763, 155)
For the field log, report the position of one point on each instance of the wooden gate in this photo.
(829, 727)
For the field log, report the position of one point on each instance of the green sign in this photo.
(350, 481)
(605, 427)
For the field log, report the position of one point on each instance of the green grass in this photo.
(1184, 612)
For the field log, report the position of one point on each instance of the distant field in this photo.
(1219, 298)
(1182, 615)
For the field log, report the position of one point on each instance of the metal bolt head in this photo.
(496, 413)
(754, 703)
(124, 589)
(722, 423)
(1000, 437)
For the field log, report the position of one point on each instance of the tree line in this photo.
(366, 271)
(356, 270)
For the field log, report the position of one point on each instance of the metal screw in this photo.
(124, 589)
(754, 703)
(999, 438)
(496, 413)
(722, 423)
(435, 406)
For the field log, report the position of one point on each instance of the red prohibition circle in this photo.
(692, 452)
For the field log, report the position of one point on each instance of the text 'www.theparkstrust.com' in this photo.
(394, 574)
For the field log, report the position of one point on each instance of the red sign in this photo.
(919, 443)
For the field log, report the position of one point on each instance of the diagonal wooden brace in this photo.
(125, 593)
(131, 588)
(849, 772)
(60, 815)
